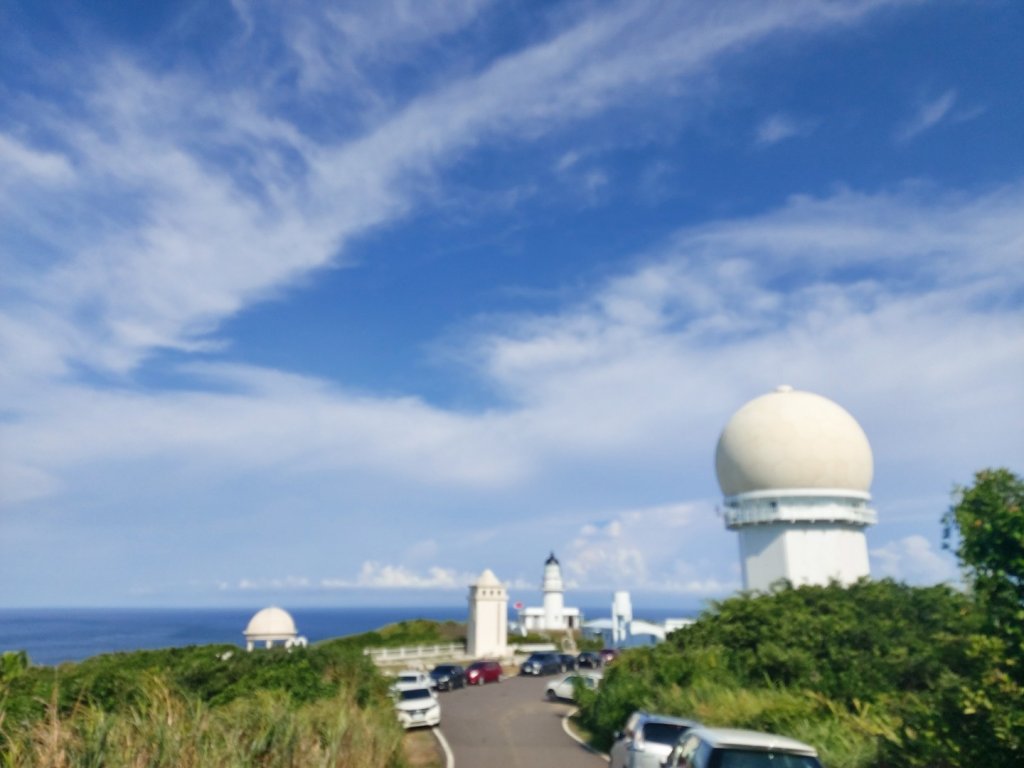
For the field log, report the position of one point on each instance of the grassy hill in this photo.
(211, 705)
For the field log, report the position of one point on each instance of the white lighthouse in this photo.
(795, 470)
(553, 614)
(554, 593)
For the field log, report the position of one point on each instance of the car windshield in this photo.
(756, 758)
(408, 678)
(443, 671)
(415, 693)
(664, 733)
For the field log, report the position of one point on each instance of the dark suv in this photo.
(541, 664)
(448, 677)
(588, 660)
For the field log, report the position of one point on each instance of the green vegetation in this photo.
(986, 528)
(876, 674)
(211, 705)
(412, 632)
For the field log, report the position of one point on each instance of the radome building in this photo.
(795, 471)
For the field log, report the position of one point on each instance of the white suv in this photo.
(731, 748)
(412, 678)
(417, 707)
(646, 740)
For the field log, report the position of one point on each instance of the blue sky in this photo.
(340, 304)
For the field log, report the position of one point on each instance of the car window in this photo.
(664, 733)
(748, 758)
(415, 693)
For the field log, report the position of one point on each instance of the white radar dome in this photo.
(271, 622)
(790, 439)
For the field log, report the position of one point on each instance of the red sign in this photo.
(518, 606)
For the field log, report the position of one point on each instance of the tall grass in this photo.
(165, 728)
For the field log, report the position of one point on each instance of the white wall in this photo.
(804, 553)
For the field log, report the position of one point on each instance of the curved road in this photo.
(510, 724)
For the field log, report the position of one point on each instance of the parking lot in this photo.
(511, 724)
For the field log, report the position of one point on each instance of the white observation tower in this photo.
(795, 470)
(487, 630)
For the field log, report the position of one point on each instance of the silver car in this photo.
(733, 748)
(647, 739)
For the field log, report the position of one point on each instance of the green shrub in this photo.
(877, 673)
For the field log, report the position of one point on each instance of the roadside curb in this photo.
(577, 739)
(448, 756)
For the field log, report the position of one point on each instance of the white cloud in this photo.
(567, 161)
(286, 584)
(928, 115)
(18, 159)
(779, 127)
(913, 560)
(654, 549)
(333, 44)
(377, 575)
(371, 575)
(663, 352)
(195, 241)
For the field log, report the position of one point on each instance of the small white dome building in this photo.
(272, 625)
(795, 471)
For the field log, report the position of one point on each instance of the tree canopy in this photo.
(985, 527)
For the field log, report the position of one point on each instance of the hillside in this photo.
(210, 705)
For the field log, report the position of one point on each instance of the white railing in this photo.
(757, 512)
(534, 647)
(385, 655)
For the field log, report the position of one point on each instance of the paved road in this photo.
(510, 725)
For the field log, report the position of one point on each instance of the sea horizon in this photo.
(52, 636)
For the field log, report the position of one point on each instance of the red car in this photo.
(480, 672)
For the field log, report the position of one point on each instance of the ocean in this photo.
(52, 635)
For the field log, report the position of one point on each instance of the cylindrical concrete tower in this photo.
(554, 594)
(795, 470)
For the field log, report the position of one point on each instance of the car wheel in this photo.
(551, 695)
